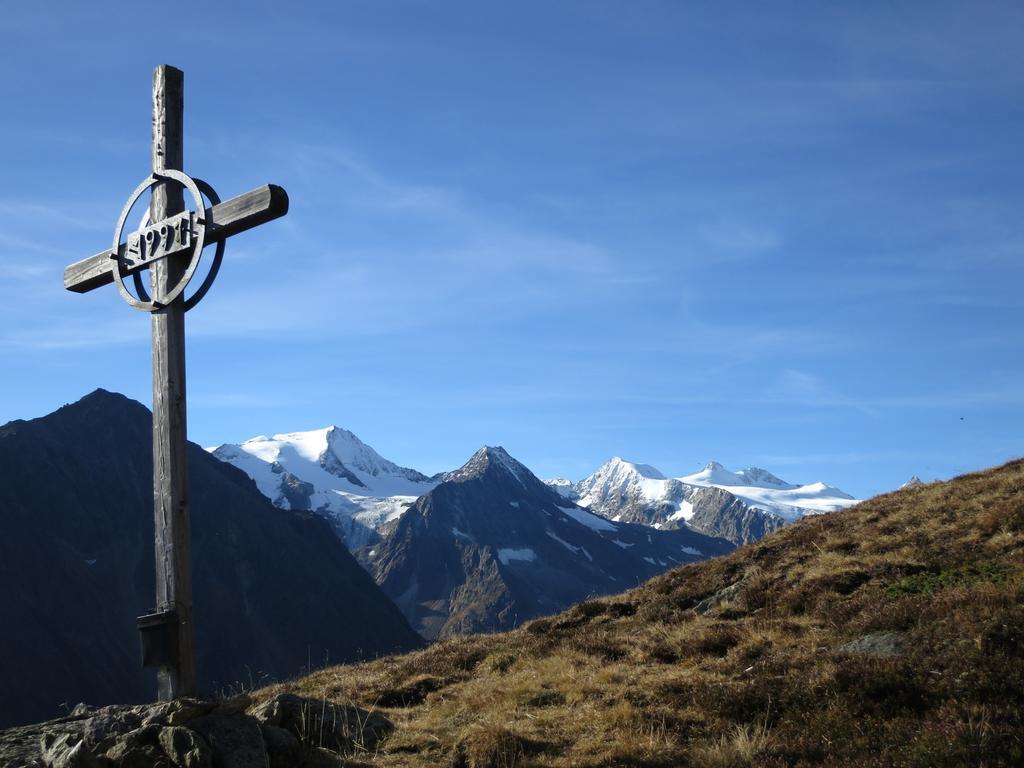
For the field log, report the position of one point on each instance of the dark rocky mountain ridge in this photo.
(493, 546)
(273, 590)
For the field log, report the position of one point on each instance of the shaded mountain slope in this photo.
(493, 546)
(273, 590)
(888, 634)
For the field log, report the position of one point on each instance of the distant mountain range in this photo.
(740, 506)
(492, 546)
(482, 548)
(274, 590)
(332, 472)
(489, 545)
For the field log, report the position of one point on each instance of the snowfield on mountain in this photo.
(332, 472)
(740, 506)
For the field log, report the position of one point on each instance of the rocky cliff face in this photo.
(718, 513)
(712, 511)
(274, 591)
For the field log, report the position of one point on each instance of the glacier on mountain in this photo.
(332, 472)
(742, 505)
(761, 489)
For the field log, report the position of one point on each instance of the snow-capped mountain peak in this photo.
(617, 478)
(715, 474)
(763, 490)
(752, 477)
(492, 545)
(739, 504)
(491, 460)
(762, 477)
(334, 450)
(619, 470)
(331, 471)
(357, 455)
(620, 465)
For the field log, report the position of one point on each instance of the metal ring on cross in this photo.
(196, 234)
(190, 301)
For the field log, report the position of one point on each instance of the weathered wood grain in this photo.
(236, 215)
(170, 477)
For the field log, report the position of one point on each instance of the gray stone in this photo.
(879, 644)
(109, 724)
(235, 704)
(185, 748)
(21, 747)
(236, 740)
(283, 748)
(138, 748)
(298, 493)
(320, 723)
(723, 595)
(133, 754)
(178, 712)
(66, 751)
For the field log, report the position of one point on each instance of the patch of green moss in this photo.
(930, 582)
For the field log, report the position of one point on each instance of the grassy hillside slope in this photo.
(889, 634)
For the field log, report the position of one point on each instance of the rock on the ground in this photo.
(185, 748)
(65, 751)
(723, 595)
(236, 738)
(321, 723)
(285, 732)
(879, 644)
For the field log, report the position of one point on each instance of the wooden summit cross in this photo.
(169, 244)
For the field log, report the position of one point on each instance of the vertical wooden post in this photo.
(170, 482)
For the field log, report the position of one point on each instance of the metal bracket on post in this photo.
(158, 637)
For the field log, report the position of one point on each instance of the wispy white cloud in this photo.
(16, 246)
(468, 260)
(72, 336)
(1010, 395)
(845, 457)
(23, 270)
(730, 239)
(75, 215)
(806, 389)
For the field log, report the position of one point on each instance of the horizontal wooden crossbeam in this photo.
(222, 221)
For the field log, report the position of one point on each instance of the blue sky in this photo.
(786, 234)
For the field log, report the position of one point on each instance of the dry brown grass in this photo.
(737, 748)
(641, 680)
